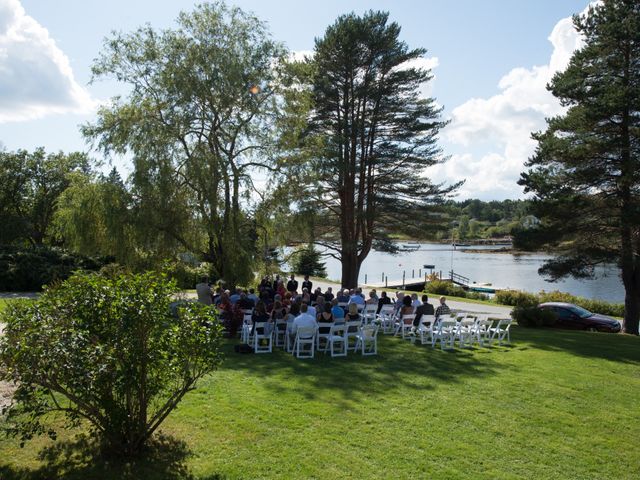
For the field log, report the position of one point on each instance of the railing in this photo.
(459, 279)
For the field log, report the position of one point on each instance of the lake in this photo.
(505, 270)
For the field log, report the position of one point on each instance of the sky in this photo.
(491, 61)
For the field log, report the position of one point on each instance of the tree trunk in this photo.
(631, 281)
(350, 268)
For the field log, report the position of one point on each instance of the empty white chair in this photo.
(337, 340)
(262, 331)
(482, 332)
(463, 331)
(367, 340)
(352, 330)
(443, 333)
(305, 337)
(386, 318)
(247, 327)
(501, 331)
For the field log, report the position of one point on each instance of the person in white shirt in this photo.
(204, 292)
(311, 310)
(303, 320)
(415, 302)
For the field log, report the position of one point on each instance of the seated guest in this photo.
(414, 300)
(443, 309)
(278, 312)
(424, 309)
(373, 293)
(280, 290)
(311, 310)
(320, 304)
(252, 295)
(353, 314)
(356, 298)
(245, 302)
(316, 293)
(343, 296)
(399, 301)
(204, 291)
(294, 311)
(328, 295)
(406, 308)
(325, 315)
(372, 300)
(359, 292)
(303, 320)
(286, 301)
(260, 315)
(337, 311)
(383, 300)
(235, 296)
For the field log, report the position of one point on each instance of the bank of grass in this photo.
(556, 405)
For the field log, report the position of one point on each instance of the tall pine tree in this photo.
(585, 173)
(373, 135)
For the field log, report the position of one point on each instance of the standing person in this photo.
(308, 284)
(292, 284)
(204, 291)
(425, 309)
(443, 309)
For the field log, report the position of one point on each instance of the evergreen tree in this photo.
(307, 261)
(585, 173)
(372, 136)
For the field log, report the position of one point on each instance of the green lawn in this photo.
(556, 404)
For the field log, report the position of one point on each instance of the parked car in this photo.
(577, 318)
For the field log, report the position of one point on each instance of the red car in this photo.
(577, 318)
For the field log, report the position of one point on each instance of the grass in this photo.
(556, 405)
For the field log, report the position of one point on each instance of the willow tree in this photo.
(585, 173)
(373, 136)
(197, 123)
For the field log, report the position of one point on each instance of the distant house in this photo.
(530, 221)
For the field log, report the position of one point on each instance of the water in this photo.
(502, 270)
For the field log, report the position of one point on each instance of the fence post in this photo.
(412, 276)
(386, 281)
(420, 272)
(403, 278)
(365, 278)
(382, 279)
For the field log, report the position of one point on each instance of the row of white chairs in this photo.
(336, 339)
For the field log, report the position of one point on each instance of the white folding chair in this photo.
(425, 329)
(367, 340)
(280, 332)
(444, 333)
(338, 337)
(289, 336)
(482, 331)
(463, 331)
(386, 318)
(352, 329)
(369, 313)
(324, 332)
(501, 331)
(305, 336)
(262, 331)
(247, 327)
(405, 326)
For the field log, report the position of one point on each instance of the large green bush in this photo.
(533, 317)
(308, 261)
(440, 287)
(108, 351)
(516, 298)
(29, 269)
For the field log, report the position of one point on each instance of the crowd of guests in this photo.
(305, 306)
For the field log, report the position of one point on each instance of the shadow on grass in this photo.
(606, 346)
(80, 458)
(399, 364)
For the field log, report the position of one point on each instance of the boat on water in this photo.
(461, 244)
(409, 247)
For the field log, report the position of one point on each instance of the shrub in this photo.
(186, 275)
(440, 287)
(107, 351)
(29, 269)
(516, 298)
(533, 317)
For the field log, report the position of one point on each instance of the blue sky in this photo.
(491, 60)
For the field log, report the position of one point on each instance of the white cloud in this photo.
(424, 63)
(492, 136)
(35, 75)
